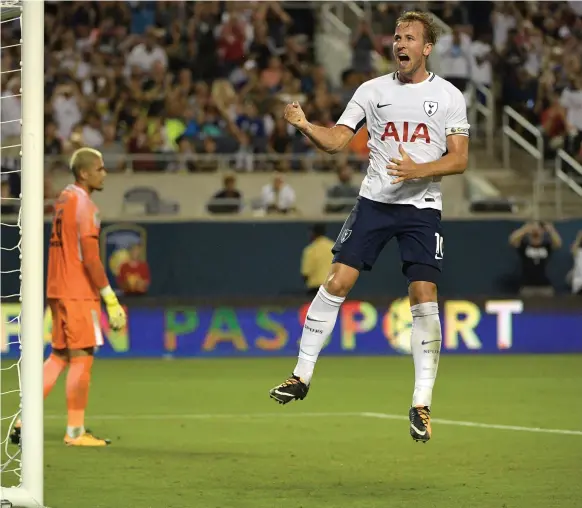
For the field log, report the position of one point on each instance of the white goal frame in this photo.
(30, 493)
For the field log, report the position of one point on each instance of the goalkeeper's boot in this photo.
(291, 389)
(15, 435)
(420, 428)
(86, 439)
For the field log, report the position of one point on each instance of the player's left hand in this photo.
(403, 169)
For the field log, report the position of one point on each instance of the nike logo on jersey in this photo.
(425, 342)
(382, 105)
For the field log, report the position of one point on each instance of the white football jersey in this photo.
(417, 116)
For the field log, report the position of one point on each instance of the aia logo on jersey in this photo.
(420, 133)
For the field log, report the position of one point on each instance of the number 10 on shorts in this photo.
(439, 246)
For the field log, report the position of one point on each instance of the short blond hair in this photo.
(82, 158)
(431, 29)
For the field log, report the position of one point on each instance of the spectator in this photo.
(227, 200)
(145, 54)
(92, 131)
(262, 48)
(503, 19)
(456, 58)
(67, 105)
(363, 43)
(231, 43)
(316, 259)
(9, 204)
(342, 196)
(553, 126)
(483, 57)
(134, 274)
(454, 14)
(278, 196)
(271, 76)
(251, 122)
(571, 100)
(11, 114)
(52, 143)
(280, 142)
(208, 150)
(576, 275)
(113, 151)
(185, 158)
(139, 145)
(535, 243)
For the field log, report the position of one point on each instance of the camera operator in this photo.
(534, 243)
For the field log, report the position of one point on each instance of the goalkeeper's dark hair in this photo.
(82, 159)
(431, 29)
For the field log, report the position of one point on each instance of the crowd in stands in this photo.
(168, 86)
(176, 79)
(529, 53)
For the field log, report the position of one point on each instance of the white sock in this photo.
(426, 343)
(75, 432)
(319, 323)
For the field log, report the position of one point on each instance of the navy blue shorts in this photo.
(371, 225)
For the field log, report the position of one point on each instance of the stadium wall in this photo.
(261, 259)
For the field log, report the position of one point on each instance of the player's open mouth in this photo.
(402, 58)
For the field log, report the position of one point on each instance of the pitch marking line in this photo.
(384, 416)
(460, 423)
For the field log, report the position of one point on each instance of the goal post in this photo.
(30, 492)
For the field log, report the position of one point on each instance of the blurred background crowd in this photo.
(138, 78)
(167, 86)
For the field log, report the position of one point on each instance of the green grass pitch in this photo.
(204, 434)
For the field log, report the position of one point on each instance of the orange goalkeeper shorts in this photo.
(76, 324)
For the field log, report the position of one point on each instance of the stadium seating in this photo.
(173, 98)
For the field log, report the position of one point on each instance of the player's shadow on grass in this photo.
(121, 450)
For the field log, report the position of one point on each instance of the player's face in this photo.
(95, 175)
(409, 47)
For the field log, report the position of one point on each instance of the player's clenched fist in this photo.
(295, 115)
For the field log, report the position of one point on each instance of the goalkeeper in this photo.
(75, 283)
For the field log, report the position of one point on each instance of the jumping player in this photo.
(76, 280)
(418, 133)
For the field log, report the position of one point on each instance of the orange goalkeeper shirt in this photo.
(75, 218)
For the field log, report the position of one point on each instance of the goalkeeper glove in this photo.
(117, 318)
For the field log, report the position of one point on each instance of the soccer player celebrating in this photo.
(76, 280)
(413, 117)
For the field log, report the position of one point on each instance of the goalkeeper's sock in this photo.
(319, 323)
(78, 380)
(53, 368)
(425, 342)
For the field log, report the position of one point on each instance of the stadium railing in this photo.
(536, 151)
(486, 109)
(243, 162)
(571, 175)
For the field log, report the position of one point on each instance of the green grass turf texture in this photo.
(287, 461)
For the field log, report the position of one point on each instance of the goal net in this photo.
(21, 258)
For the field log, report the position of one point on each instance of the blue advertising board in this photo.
(487, 327)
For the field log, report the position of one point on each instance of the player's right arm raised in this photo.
(331, 140)
(89, 235)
